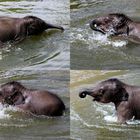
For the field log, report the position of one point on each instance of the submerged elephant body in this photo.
(16, 29)
(125, 98)
(34, 101)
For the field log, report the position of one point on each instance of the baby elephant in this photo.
(30, 100)
(116, 24)
(16, 29)
(125, 97)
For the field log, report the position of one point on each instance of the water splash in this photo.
(4, 111)
(95, 39)
(110, 118)
(109, 114)
(105, 40)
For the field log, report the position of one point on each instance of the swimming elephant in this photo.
(126, 98)
(116, 24)
(31, 100)
(16, 29)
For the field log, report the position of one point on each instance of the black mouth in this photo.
(97, 98)
(8, 101)
(96, 29)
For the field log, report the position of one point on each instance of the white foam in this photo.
(95, 38)
(107, 111)
(104, 40)
(109, 114)
(4, 111)
(110, 118)
(119, 43)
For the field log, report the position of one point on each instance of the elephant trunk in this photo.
(84, 93)
(50, 26)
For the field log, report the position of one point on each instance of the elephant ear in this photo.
(121, 23)
(34, 25)
(121, 20)
(16, 93)
(120, 93)
(31, 29)
(11, 98)
(125, 95)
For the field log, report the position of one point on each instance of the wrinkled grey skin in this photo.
(126, 98)
(16, 29)
(116, 24)
(34, 101)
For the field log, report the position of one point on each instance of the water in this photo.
(38, 62)
(92, 50)
(92, 120)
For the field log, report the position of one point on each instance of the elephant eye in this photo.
(105, 20)
(101, 91)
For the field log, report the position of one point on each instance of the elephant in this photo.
(124, 96)
(31, 100)
(17, 29)
(116, 24)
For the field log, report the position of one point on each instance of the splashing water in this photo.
(108, 112)
(104, 40)
(95, 39)
(110, 118)
(4, 111)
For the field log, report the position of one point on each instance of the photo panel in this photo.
(46, 50)
(101, 41)
(27, 125)
(93, 119)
